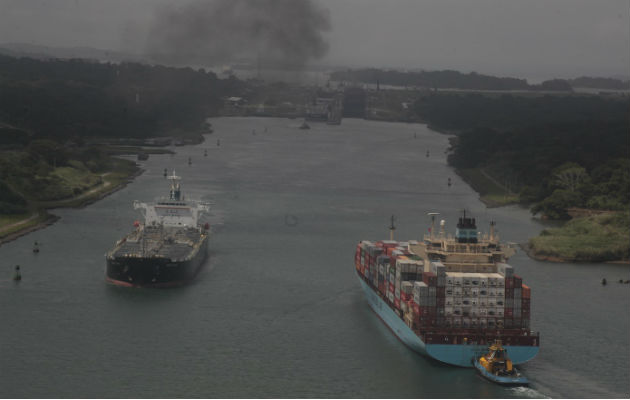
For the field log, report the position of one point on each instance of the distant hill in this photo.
(446, 79)
(85, 53)
(599, 83)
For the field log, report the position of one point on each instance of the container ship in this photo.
(168, 249)
(447, 297)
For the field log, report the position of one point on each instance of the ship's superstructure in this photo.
(449, 297)
(168, 249)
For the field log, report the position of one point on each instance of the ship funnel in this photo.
(442, 228)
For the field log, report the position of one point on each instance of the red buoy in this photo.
(136, 223)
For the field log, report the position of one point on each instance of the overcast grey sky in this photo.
(532, 38)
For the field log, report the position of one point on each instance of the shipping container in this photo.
(505, 269)
(518, 281)
(527, 292)
(509, 283)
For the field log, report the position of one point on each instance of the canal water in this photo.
(277, 310)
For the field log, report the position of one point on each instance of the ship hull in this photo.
(461, 355)
(155, 272)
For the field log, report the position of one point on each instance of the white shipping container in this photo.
(457, 291)
(505, 269)
(407, 287)
(474, 292)
(458, 300)
(449, 291)
(466, 301)
(457, 311)
(500, 292)
(449, 300)
(466, 281)
(467, 291)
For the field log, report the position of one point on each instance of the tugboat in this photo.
(497, 367)
(167, 250)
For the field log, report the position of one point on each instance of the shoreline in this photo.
(555, 259)
(84, 201)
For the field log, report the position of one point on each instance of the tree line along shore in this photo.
(550, 151)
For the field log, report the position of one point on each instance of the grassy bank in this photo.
(597, 238)
(87, 188)
(491, 193)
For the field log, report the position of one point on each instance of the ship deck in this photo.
(163, 242)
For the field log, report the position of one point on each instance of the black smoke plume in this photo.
(284, 33)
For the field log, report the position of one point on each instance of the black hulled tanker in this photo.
(167, 250)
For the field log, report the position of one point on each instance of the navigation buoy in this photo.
(189, 161)
(427, 153)
(17, 276)
(449, 182)
(165, 172)
(35, 247)
(205, 153)
(603, 281)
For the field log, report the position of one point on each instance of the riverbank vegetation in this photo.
(553, 153)
(62, 120)
(598, 238)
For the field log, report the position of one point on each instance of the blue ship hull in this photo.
(461, 355)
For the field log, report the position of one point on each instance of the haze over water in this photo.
(277, 310)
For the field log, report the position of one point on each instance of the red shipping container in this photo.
(526, 304)
(509, 293)
(527, 292)
(392, 287)
(441, 301)
(415, 308)
(508, 313)
(397, 303)
(429, 278)
(518, 281)
(441, 292)
(381, 287)
(509, 283)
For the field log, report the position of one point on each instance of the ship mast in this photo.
(392, 228)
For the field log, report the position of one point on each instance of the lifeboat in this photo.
(497, 367)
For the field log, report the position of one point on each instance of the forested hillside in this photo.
(556, 152)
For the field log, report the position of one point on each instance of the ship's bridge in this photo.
(173, 210)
